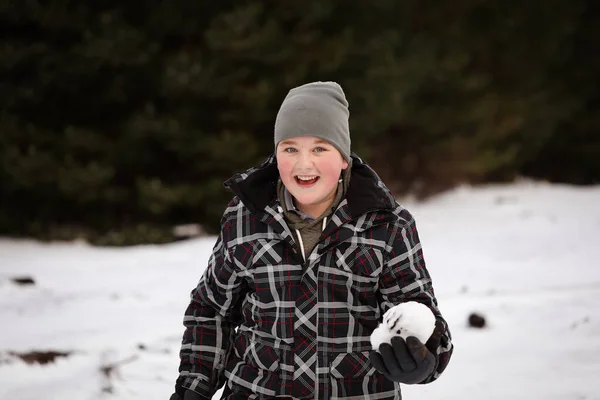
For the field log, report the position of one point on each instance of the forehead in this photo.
(304, 140)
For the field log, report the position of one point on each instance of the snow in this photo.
(525, 256)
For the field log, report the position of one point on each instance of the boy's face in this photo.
(310, 169)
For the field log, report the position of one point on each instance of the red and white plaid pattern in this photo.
(304, 327)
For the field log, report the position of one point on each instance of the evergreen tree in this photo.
(119, 121)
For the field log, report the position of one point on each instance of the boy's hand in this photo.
(405, 362)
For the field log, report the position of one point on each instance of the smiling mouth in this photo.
(306, 180)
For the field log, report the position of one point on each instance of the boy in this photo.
(313, 250)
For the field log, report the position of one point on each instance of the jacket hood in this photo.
(257, 187)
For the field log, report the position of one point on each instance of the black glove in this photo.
(405, 362)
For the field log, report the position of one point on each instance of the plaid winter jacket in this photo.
(303, 328)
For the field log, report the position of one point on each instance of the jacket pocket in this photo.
(360, 259)
(261, 356)
(353, 375)
(354, 278)
(253, 370)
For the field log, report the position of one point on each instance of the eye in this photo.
(289, 150)
(320, 149)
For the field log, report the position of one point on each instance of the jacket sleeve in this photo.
(405, 278)
(210, 321)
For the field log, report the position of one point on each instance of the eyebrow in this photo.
(291, 142)
(287, 142)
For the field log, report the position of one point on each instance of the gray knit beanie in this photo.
(317, 109)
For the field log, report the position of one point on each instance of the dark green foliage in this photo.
(489, 91)
(120, 120)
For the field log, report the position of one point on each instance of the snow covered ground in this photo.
(526, 256)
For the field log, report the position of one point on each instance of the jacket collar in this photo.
(257, 188)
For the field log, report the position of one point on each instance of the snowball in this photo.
(381, 334)
(404, 320)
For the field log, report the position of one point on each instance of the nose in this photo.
(305, 160)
